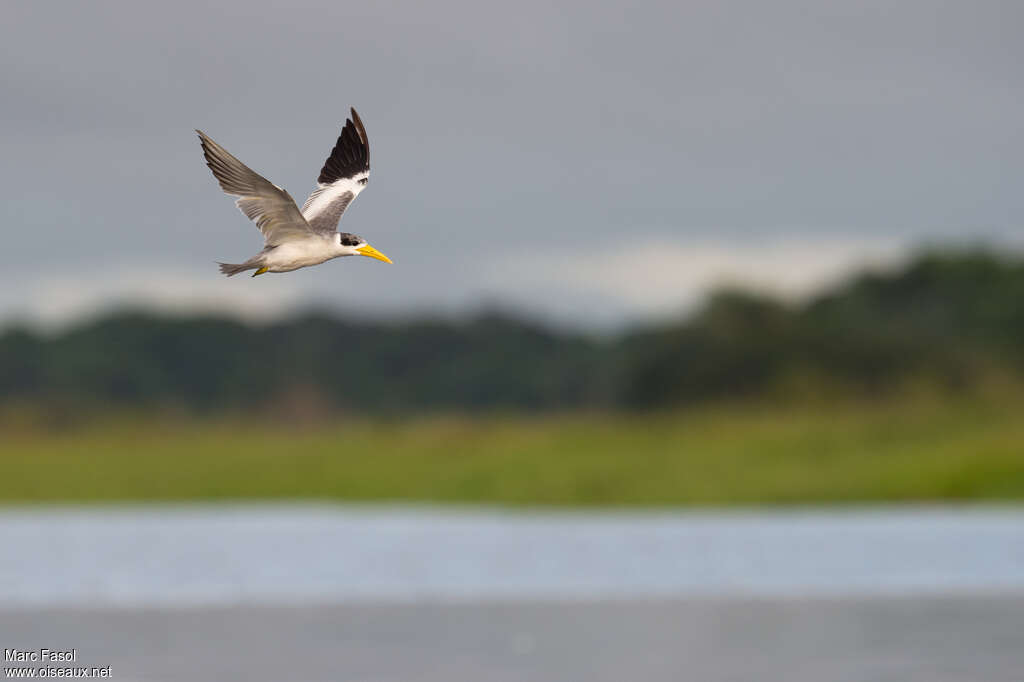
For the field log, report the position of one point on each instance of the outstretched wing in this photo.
(270, 207)
(344, 175)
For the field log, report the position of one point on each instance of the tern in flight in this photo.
(295, 239)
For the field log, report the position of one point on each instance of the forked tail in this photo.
(235, 268)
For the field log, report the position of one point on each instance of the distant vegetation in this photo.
(947, 321)
(906, 449)
(900, 386)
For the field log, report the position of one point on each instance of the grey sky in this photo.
(587, 161)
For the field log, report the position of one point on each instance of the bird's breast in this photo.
(298, 254)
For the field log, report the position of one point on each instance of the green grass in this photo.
(909, 450)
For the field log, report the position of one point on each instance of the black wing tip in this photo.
(357, 122)
(351, 153)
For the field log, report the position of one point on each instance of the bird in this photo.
(296, 239)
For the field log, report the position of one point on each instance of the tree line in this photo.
(951, 319)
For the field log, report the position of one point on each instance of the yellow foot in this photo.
(260, 271)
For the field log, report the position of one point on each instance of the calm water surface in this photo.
(294, 554)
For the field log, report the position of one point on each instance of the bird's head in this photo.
(354, 245)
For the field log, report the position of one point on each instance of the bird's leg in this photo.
(260, 271)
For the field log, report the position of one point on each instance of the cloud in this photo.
(50, 300)
(659, 277)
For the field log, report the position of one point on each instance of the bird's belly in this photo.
(295, 255)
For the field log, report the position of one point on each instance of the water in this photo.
(201, 556)
(323, 593)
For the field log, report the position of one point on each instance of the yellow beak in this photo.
(372, 253)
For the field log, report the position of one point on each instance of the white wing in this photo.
(270, 207)
(344, 175)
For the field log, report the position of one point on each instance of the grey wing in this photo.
(343, 177)
(270, 207)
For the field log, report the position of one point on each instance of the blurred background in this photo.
(702, 353)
